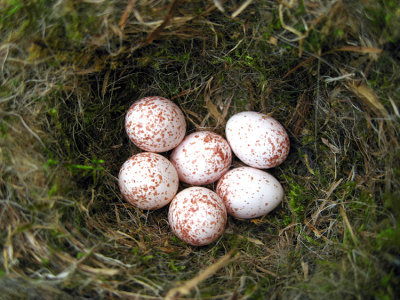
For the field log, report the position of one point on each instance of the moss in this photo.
(72, 69)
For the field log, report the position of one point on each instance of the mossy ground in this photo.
(328, 70)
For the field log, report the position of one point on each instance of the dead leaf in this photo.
(273, 41)
(105, 83)
(304, 266)
(359, 49)
(212, 108)
(300, 115)
(99, 271)
(332, 147)
(369, 98)
(226, 107)
(250, 88)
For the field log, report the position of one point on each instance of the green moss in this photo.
(11, 9)
(385, 16)
(3, 129)
(388, 238)
(176, 268)
(92, 168)
(298, 198)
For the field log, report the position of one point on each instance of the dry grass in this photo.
(328, 70)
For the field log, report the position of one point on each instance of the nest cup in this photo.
(325, 70)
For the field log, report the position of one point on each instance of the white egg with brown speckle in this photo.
(249, 192)
(257, 140)
(148, 180)
(202, 158)
(155, 124)
(197, 216)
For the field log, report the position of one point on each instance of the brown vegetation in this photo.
(327, 70)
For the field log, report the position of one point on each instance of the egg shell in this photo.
(197, 216)
(155, 124)
(148, 180)
(249, 192)
(202, 158)
(257, 140)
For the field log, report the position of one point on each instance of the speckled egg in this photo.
(155, 124)
(148, 180)
(202, 158)
(257, 140)
(197, 216)
(249, 193)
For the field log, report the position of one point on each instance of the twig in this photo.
(273, 274)
(186, 287)
(218, 5)
(333, 187)
(293, 30)
(156, 32)
(26, 127)
(348, 225)
(126, 14)
(241, 8)
(316, 105)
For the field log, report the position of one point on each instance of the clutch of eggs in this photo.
(198, 215)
